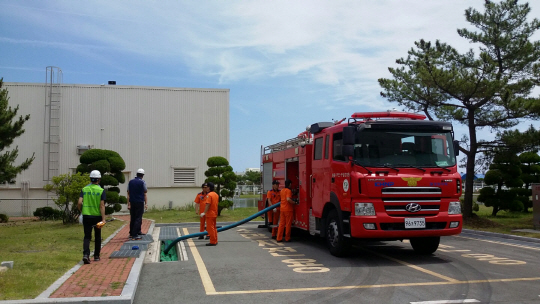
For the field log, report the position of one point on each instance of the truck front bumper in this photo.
(394, 227)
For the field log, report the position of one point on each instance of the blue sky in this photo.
(287, 64)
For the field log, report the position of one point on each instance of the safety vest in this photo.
(91, 199)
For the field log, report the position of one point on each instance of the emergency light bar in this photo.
(389, 114)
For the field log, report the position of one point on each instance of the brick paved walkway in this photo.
(106, 277)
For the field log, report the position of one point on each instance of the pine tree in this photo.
(490, 90)
(221, 174)
(9, 130)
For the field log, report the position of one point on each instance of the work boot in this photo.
(207, 237)
(86, 259)
(96, 258)
(201, 237)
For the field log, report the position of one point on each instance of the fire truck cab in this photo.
(379, 176)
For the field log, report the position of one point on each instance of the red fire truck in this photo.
(379, 176)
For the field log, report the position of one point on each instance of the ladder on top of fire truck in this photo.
(302, 138)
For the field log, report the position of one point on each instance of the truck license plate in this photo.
(415, 223)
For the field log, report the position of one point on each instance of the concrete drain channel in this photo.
(170, 256)
(165, 236)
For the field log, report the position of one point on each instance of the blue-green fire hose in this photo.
(184, 237)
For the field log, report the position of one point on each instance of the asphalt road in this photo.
(248, 266)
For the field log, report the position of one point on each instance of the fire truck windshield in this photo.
(380, 148)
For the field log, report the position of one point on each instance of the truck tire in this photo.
(336, 242)
(425, 245)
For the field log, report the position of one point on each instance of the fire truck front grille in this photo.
(401, 226)
(398, 206)
(396, 200)
(411, 190)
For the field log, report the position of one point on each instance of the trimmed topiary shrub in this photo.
(110, 164)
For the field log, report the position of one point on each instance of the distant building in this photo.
(253, 169)
(169, 132)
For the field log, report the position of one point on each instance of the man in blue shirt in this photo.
(137, 203)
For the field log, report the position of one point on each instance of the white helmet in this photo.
(140, 171)
(95, 174)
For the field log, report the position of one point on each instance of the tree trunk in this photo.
(471, 158)
(495, 210)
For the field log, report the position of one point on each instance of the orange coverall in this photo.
(273, 217)
(201, 200)
(212, 199)
(286, 215)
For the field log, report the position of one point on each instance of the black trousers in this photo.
(88, 222)
(135, 223)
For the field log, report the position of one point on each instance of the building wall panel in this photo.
(157, 129)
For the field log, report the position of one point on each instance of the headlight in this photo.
(364, 209)
(454, 208)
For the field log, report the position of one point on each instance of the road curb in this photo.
(503, 236)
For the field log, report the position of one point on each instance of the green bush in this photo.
(102, 166)
(108, 180)
(48, 213)
(224, 204)
(4, 218)
(93, 155)
(109, 210)
(117, 207)
(117, 163)
(120, 177)
(112, 197)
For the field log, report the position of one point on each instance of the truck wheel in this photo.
(425, 245)
(336, 242)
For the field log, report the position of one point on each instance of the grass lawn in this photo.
(42, 251)
(504, 222)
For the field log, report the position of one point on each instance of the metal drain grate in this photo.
(168, 233)
(125, 254)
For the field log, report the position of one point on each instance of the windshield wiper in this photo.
(391, 167)
(411, 166)
(359, 164)
(445, 168)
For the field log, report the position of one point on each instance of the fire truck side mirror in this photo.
(348, 136)
(456, 147)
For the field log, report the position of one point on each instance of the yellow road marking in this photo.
(495, 242)
(370, 286)
(205, 277)
(438, 275)
(210, 289)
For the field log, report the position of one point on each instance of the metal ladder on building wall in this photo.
(51, 131)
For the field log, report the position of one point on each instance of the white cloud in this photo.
(319, 54)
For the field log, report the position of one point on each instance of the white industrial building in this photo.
(170, 132)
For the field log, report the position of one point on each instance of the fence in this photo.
(24, 206)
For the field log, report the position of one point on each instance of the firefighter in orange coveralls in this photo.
(200, 201)
(273, 197)
(211, 211)
(286, 213)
